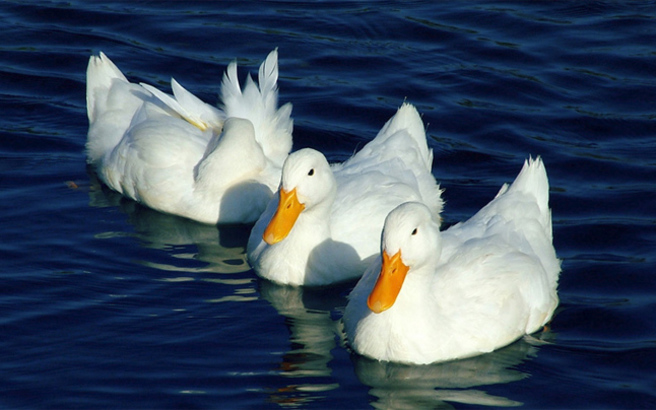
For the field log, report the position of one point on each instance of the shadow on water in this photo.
(313, 318)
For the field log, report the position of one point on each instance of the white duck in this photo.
(324, 224)
(471, 289)
(181, 156)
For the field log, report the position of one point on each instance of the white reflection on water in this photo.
(315, 330)
(313, 335)
(220, 250)
(428, 386)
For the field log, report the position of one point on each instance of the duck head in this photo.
(307, 184)
(410, 241)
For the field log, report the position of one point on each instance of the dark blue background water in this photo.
(104, 303)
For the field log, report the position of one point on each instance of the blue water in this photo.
(106, 304)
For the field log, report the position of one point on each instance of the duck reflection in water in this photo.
(220, 249)
(405, 386)
(314, 334)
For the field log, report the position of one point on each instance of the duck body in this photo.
(476, 287)
(335, 235)
(178, 155)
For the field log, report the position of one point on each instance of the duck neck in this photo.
(419, 281)
(317, 217)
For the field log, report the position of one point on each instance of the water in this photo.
(106, 304)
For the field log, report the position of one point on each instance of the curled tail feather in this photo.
(101, 72)
(259, 104)
(533, 179)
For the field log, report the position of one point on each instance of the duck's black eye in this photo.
(311, 172)
(414, 232)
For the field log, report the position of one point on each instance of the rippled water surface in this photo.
(106, 304)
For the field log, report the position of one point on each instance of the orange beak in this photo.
(289, 208)
(389, 283)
